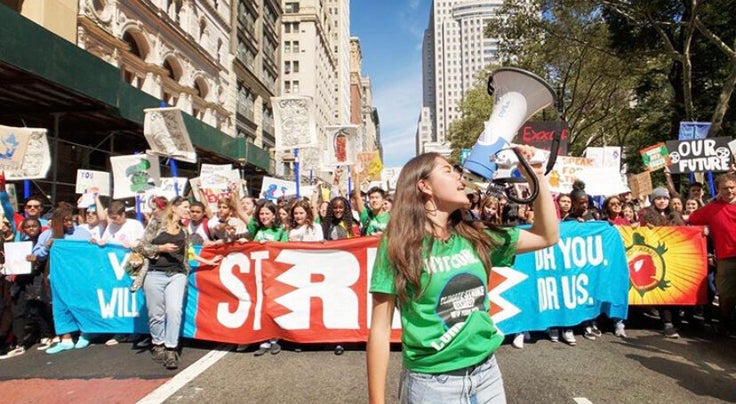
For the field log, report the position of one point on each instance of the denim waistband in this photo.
(468, 370)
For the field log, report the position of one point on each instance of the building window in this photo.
(291, 27)
(295, 65)
(291, 7)
(287, 86)
(295, 86)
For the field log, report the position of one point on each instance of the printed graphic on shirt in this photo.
(462, 295)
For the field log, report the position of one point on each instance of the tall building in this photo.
(362, 112)
(454, 49)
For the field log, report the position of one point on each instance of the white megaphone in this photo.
(518, 95)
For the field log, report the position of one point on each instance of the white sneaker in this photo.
(241, 347)
(44, 344)
(554, 334)
(518, 341)
(17, 351)
(569, 337)
(619, 331)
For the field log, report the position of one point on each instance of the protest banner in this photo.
(167, 134)
(608, 156)
(342, 145)
(134, 174)
(540, 134)
(36, 158)
(318, 292)
(641, 184)
(700, 155)
(655, 157)
(90, 181)
(667, 265)
(693, 130)
(295, 122)
(566, 171)
(274, 188)
(602, 181)
(13, 145)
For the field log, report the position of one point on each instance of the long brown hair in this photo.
(406, 234)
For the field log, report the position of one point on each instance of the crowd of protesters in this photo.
(165, 236)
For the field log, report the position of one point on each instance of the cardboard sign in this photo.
(93, 182)
(274, 188)
(700, 155)
(641, 184)
(655, 157)
(565, 172)
(15, 258)
(134, 174)
(167, 135)
(693, 130)
(608, 156)
(13, 145)
(36, 159)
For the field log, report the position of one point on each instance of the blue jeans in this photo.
(164, 300)
(482, 384)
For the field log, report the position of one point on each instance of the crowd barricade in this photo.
(318, 292)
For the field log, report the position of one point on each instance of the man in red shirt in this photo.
(720, 217)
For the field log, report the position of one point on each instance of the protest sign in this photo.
(167, 134)
(90, 181)
(540, 134)
(655, 157)
(693, 130)
(602, 181)
(700, 155)
(15, 258)
(13, 145)
(640, 184)
(342, 145)
(566, 171)
(608, 156)
(274, 188)
(134, 174)
(295, 122)
(36, 159)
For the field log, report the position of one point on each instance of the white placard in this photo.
(608, 156)
(36, 160)
(274, 188)
(167, 135)
(342, 145)
(15, 258)
(90, 181)
(13, 145)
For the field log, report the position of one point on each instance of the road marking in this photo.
(714, 366)
(167, 389)
(582, 400)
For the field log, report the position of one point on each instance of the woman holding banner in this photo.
(166, 244)
(431, 261)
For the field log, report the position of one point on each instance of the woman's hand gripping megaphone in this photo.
(529, 161)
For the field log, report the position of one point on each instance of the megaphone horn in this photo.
(518, 95)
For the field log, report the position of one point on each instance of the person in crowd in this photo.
(284, 211)
(120, 229)
(695, 190)
(676, 204)
(720, 217)
(373, 219)
(490, 210)
(628, 212)
(198, 226)
(564, 204)
(321, 212)
(338, 223)
(660, 213)
(691, 205)
(62, 226)
(613, 211)
(30, 301)
(268, 228)
(228, 228)
(92, 222)
(166, 244)
(388, 203)
(303, 227)
(33, 208)
(428, 224)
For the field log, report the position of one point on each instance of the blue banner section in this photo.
(91, 290)
(583, 275)
(693, 130)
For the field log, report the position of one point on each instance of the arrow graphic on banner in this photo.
(503, 279)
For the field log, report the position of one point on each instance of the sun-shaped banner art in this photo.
(667, 265)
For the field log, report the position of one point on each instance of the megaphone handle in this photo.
(533, 185)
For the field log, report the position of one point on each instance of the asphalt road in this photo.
(699, 367)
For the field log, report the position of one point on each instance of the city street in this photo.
(643, 368)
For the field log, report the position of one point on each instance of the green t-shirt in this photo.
(272, 234)
(373, 223)
(448, 327)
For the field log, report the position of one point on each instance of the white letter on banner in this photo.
(107, 310)
(118, 267)
(339, 301)
(237, 288)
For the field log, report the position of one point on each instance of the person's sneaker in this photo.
(716, 301)
(82, 342)
(594, 329)
(619, 330)
(112, 341)
(518, 341)
(64, 345)
(171, 359)
(261, 350)
(339, 350)
(158, 353)
(569, 337)
(275, 348)
(588, 333)
(669, 331)
(241, 347)
(45, 344)
(554, 334)
(143, 343)
(17, 351)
